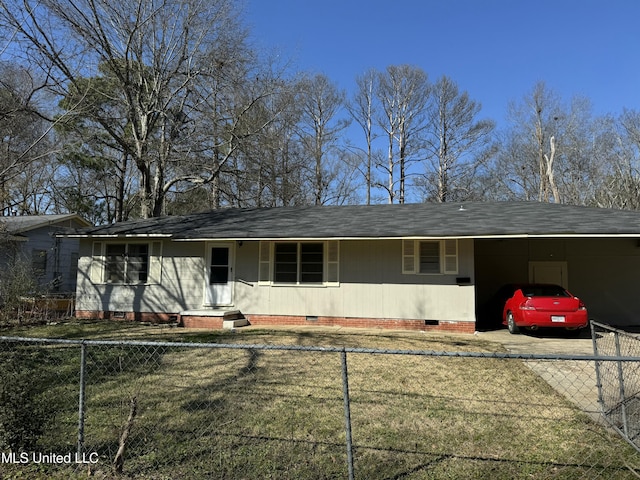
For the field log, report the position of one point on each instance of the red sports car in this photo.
(542, 306)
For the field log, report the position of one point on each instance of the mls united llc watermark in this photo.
(48, 458)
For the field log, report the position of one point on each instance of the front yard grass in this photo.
(260, 413)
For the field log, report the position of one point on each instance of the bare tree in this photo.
(273, 160)
(362, 107)
(456, 142)
(320, 103)
(521, 164)
(223, 96)
(539, 104)
(620, 186)
(155, 52)
(24, 140)
(403, 92)
(584, 151)
(555, 152)
(97, 174)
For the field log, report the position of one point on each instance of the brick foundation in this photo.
(359, 322)
(150, 317)
(215, 322)
(212, 323)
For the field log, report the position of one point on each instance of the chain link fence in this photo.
(194, 410)
(618, 379)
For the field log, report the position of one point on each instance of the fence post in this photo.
(623, 410)
(347, 413)
(83, 362)
(598, 365)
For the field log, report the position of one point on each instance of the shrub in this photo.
(26, 407)
(17, 281)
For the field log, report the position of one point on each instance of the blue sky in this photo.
(494, 49)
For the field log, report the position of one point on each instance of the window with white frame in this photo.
(430, 256)
(126, 263)
(298, 263)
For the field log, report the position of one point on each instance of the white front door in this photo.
(548, 272)
(219, 277)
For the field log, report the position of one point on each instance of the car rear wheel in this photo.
(511, 324)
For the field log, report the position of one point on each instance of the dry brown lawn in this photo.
(269, 413)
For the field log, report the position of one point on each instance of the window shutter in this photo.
(264, 263)
(155, 262)
(333, 261)
(96, 268)
(408, 256)
(451, 256)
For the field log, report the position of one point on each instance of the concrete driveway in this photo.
(547, 342)
(574, 379)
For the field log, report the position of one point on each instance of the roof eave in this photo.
(414, 237)
(48, 222)
(325, 238)
(113, 235)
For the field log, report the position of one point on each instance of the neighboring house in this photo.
(413, 266)
(54, 259)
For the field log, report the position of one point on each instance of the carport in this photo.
(603, 269)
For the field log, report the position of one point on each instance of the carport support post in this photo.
(623, 409)
(347, 412)
(83, 363)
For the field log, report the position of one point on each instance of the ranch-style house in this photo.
(411, 266)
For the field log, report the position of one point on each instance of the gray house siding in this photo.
(59, 256)
(371, 285)
(180, 288)
(54, 259)
(603, 272)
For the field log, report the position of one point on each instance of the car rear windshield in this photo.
(544, 291)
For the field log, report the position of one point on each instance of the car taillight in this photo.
(524, 306)
(581, 306)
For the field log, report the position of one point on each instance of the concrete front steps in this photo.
(213, 318)
(233, 319)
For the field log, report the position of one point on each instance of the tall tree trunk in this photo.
(391, 164)
(549, 171)
(120, 189)
(403, 165)
(443, 163)
(318, 169)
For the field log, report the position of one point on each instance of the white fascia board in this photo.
(137, 236)
(587, 235)
(308, 239)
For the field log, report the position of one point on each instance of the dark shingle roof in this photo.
(24, 223)
(474, 219)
